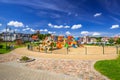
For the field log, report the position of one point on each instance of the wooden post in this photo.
(103, 49)
(39, 48)
(116, 49)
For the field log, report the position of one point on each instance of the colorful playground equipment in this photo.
(49, 43)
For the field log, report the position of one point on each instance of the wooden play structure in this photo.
(49, 44)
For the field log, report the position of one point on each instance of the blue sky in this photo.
(61, 17)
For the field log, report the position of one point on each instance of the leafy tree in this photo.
(1, 39)
(111, 40)
(42, 36)
(118, 41)
(98, 39)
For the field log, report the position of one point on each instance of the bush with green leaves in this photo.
(1, 46)
(24, 58)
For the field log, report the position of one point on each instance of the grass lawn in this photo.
(109, 68)
(3, 50)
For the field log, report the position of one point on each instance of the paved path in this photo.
(50, 66)
(15, 71)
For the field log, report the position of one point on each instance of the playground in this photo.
(71, 46)
(66, 56)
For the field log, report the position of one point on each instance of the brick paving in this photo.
(77, 68)
(13, 71)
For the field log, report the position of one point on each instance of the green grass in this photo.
(109, 68)
(3, 50)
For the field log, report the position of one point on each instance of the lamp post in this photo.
(6, 37)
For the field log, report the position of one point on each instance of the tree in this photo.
(98, 39)
(118, 41)
(42, 36)
(1, 39)
(111, 40)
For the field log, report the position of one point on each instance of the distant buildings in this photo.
(27, 37)
(35, 38)
(14, 36)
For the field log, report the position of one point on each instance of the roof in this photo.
(34, 37)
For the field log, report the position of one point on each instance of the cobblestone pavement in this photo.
(77, 68)
(13, 71)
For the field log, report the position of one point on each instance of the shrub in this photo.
(1, 46)
(24, 58)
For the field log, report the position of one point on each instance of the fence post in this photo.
(86, 50)
(116, 49)
(103, 49)
(39, 48)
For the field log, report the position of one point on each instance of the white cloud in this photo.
(45, 30)
(15, 24)
(66, 26)
(50, 32)
(76, 26)
(50, 25)
(96, 34)
(97, 14)
(41, 30)
(32, 30)
(114, 26)
(67, 33)
(58, 26)
(84, 32)
(26, 29)
(0, 24)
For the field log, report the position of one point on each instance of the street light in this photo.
(6, 37)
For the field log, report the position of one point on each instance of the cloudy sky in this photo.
(61, 17)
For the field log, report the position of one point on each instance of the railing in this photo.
(86, 50)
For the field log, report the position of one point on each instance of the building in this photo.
(35, 38)
(85, 39)
(13, 36)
